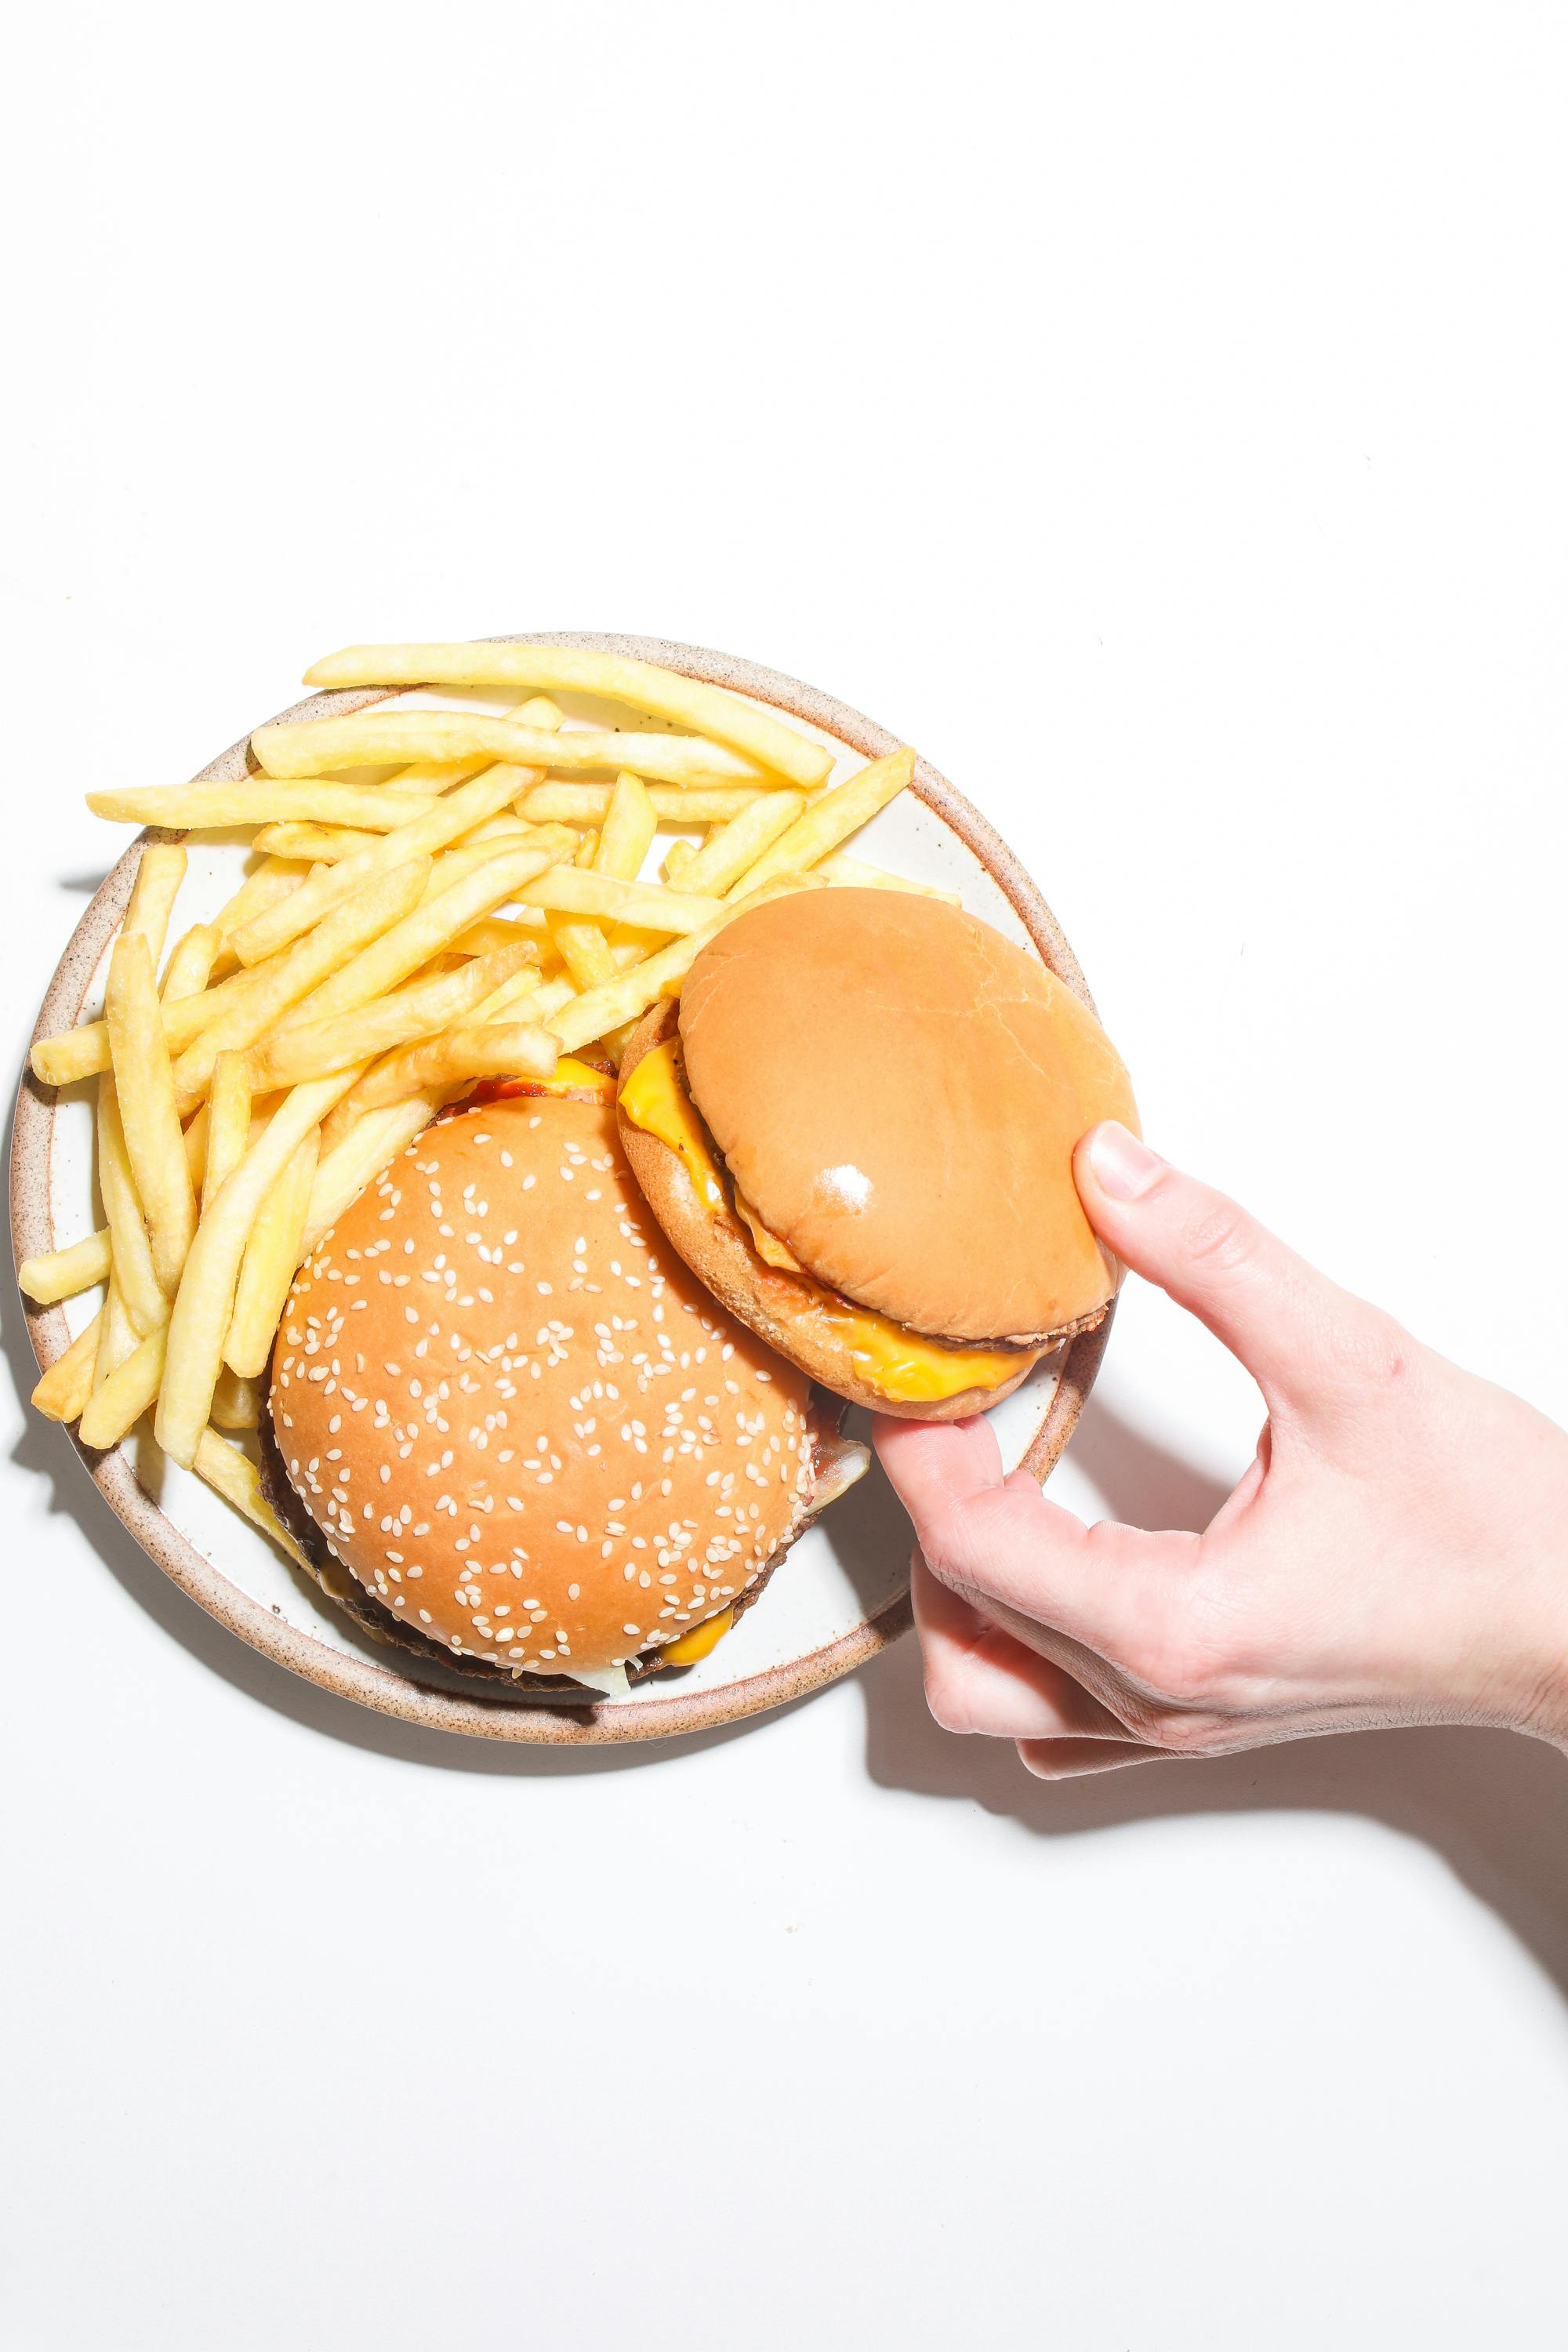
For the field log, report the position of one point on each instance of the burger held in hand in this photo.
(857, 1128)
(513, 1434)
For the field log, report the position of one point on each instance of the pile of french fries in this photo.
(479, 913)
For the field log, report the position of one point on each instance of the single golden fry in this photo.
(145, 1082)
(60, 1273)
(373, 911)
(583, 949)
(239, 1481)
(315, 748)
(272, 1254)
(135, 1275)
(830, 819)
(117, 1335)
(320, 845)
(191, 965)
(442, 823)
(499, 1049)
(157, 886)
(123, 1396)
(420, 935)
(630, 824)
(228, 1123)
(679, 856)
(614, 677)
(672, 804)
(731, 851)
(273, 879)
(236, 1403)
(259, 800)
(569, 890)
(494, 933)
(600, 1010)
(65, 1388)
(319, 1048)
(199, 1324)
(370, 1143)
(849, 874)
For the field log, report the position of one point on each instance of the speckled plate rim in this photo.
(381, 1688)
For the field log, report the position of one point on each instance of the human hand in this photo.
(1397, 1552)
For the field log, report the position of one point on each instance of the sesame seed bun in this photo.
(531, 1439)
(896, 1090)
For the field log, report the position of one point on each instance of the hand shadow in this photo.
(1494, 1805)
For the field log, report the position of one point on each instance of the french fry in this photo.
(319, 843)
(370, 1142)
(600, 1010)
(199, 1324)
(228, 1123)
(570, 890)
(442, 823)
(191, 964)
(236, 1403)
(672, 804)
(498, 1049)
(440, 775)
(60, 1273)
(493, 933)
(830, 819)
(65, 1388)
(260, 799)
(239, 1481)
(614, 677)
(315, 748)
(849, 874)
(731, 851)
(272, 1254)
(319, 1048)
(82, 1051)
(392, 1077)
(583, 949)
(157, 886)
(272, 880)
(124, 1394)
(629, 826)
(144, 1083)
(117, 1337)
(420, 935)
(372, 913)
(135, 1277)
(676, 859)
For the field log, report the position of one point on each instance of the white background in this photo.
(1159, 415)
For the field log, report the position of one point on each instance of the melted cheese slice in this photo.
(690, 1647)
(886, 1355)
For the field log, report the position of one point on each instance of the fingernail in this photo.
(1123, 1166)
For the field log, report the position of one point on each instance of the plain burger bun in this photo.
(532, 1440)
(897, 1091)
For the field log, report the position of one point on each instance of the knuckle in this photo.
(1371, 1350)
(945, 1700)
(1220, 1237)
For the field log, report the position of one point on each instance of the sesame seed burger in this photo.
(858, 1129)
(512, 1435)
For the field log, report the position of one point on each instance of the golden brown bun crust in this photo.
(720, 1253)
(504, 1410)
(898, 1090)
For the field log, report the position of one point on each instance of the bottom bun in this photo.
(772, 1304)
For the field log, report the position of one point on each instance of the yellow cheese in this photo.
(575, 1077)
(700, 1641)
(655, 1098)
(886, 1355)
(769, 1248)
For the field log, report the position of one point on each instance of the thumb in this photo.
(1293, 1329)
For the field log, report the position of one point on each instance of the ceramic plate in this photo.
(843, 1592)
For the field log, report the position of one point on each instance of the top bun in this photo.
(529, 1435)
(896, 1090)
